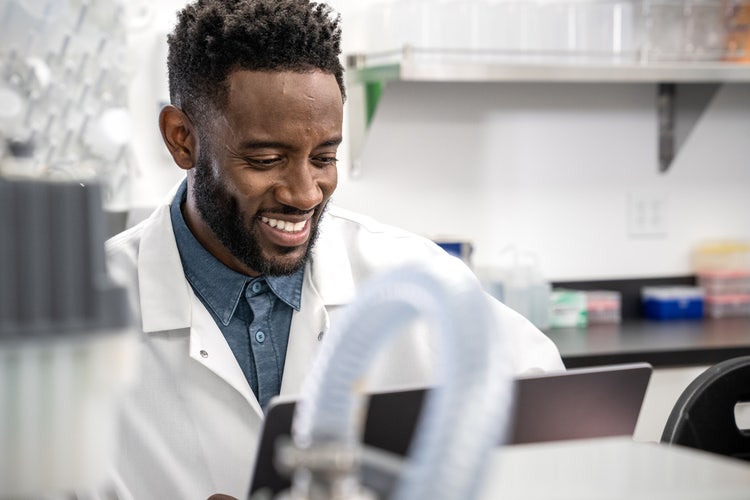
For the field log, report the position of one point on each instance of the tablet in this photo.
(578, 403)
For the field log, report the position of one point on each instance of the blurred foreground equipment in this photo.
(464, 415)
(66, 346)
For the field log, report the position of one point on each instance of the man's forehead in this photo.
(274, 79)
(277, 91)
(262, 103)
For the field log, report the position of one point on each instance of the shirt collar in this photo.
(220, 287)
(288, 288)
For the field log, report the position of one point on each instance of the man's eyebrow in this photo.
(250, 145)
(263, 144)
(331, 142)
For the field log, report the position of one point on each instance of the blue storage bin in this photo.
(672, 302)
(460, 249)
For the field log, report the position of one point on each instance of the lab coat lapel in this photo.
(309, 324)
(328, 283)
(209, 348)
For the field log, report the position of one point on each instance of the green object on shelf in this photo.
(373, 91)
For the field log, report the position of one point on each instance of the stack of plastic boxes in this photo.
(568, 309)
(723, 271)
(581, 308)
(603, 306)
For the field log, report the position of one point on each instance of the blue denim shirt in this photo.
(253, 314)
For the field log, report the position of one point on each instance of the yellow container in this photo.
(726, 255)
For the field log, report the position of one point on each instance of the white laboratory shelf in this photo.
(427, 65)
(368, 73)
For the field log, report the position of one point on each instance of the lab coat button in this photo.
(320, 335)
(260, 336)
(204, 354)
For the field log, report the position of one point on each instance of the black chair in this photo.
(704, 415)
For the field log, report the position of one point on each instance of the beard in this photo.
(237, 231)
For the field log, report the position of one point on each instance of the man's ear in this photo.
(180, 136)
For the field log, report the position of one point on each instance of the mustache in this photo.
(288, 210)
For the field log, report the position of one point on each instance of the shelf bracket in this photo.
(665, 101)
(679, 109)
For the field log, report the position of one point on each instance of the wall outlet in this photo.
(647, 214)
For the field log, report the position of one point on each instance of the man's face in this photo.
(266, 170)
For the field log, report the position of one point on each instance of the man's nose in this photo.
(300, 187)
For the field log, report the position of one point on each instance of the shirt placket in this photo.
(260, 333)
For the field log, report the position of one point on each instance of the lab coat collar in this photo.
(165, 294)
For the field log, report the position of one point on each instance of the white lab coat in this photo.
(190, 426)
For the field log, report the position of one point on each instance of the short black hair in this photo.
(213, 38)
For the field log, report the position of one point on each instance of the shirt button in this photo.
(204, 354)
(260, 336)
(320, 335)
(256, 287)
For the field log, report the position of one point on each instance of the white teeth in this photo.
(286, 226)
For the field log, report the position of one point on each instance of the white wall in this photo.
(550, 167)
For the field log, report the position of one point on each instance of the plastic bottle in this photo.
(516, 289)
(519, 284)
(539, 295)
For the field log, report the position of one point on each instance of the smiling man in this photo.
(266, 168)
(236, 279)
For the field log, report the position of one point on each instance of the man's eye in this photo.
(325, 160)
(262, 162)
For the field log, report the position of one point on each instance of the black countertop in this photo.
(661, 343)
